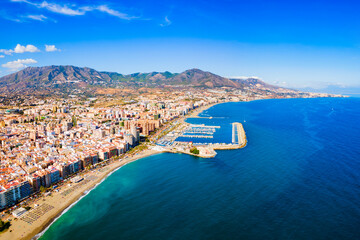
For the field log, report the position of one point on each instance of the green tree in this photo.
(4, 225)
(74, 121)
(194, 150)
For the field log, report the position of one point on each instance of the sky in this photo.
(289, 43)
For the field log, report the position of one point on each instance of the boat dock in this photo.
(198, 131)
(206, 150)
(196, 136)
(238, 134)
(238, 139)
(202, 126)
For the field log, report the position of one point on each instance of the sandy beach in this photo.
(195, 113)
(59, 201)
(55, 204)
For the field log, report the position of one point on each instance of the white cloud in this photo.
(2, 56)
(27, 48)
(245, 77)
(53, 7)
(20, 49)
(10, 18)
(280, 83)
(37, 17)
(18, 1)
(166, 23)
(106, 9)
(18, 64)
(73, 10)
(6, 51)
(51, 48)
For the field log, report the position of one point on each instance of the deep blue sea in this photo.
(298, 178)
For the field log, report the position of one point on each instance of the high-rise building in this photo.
(129, 138)
(135, 133)
(13, 192)
(33, 135)
(145, 129)
(99, 133)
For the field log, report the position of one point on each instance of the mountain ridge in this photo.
(67, 78)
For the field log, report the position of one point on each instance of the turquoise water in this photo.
(298, 178)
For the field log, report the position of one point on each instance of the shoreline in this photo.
(22, 230)
(144, 154)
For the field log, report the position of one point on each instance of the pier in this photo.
(238, 139)
(208, 117)
(238, 133)
(202, 126)
(196, 136)
(198, 131)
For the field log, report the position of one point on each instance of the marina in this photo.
(170, 142)
(199, 131)
(196, 136)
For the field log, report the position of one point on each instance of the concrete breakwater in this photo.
(239, 139)
(196, 136)
(204, 152)
(208, 150)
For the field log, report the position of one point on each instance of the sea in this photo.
(297, 178)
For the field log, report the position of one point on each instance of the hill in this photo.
(60, 80)
(254, 82)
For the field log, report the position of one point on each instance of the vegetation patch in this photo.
(4, 225)
(194, 150)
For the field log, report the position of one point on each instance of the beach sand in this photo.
(23, 230)
(196, 112)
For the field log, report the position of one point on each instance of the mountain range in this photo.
(70, 79)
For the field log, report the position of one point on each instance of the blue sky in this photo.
(290, 43)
